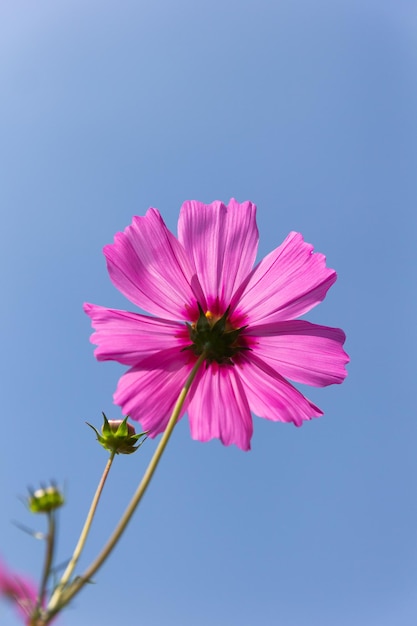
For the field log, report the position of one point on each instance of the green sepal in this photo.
(219, 342)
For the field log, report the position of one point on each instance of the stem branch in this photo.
(79, 582)
(56, 596)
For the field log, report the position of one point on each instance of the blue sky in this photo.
(309, 110)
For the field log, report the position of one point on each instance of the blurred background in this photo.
(309, 110)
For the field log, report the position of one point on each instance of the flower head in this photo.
(208, 298)
(118, 436)
(46, 499)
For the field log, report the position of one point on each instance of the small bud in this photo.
(45, 500)
(118, 436)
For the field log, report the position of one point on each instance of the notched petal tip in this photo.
(287, 283)
(148, 265)
(88, 308)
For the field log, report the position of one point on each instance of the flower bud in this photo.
(45, 500)
(118, 436)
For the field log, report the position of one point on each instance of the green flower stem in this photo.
(79, 582)
(50, 546)
(56, 596)
(36, 621)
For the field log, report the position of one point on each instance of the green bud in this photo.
(45, 500)
(118, 436)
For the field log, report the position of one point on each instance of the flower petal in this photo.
(148, 392)
(222, 243)
(304, 352)
(286, 283)
(218, 407)
(271, 396)
(150, 267)
(21, 591)
(129, 337)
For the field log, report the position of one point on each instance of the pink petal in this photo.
(271, 396)
(150, 267)
(286, 283)
(129, 337)
(222, 243)
(19, 590)
(305, 352)
(148, 393)
(219, 409)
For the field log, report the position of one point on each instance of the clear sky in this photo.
(309, 110)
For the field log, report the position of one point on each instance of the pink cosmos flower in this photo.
(19, 590)
(206, 295)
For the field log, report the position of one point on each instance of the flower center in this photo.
(216, 337)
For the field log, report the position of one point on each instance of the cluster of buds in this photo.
(119, 437)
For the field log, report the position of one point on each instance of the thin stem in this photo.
(55, 598)
(49, 556)
(137, 497)
(50, 545)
